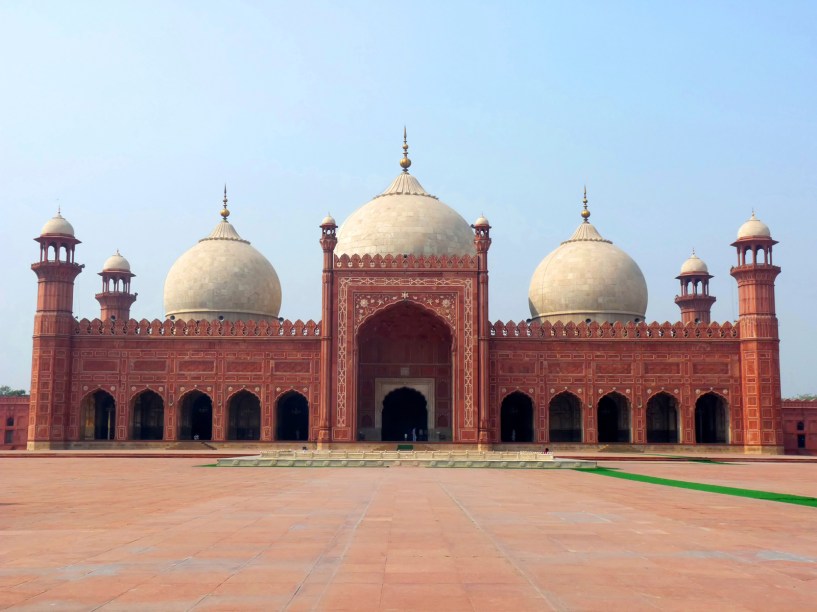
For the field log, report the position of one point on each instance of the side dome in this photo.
(753, 228)
(694, 265)
(405, 219)
(59, 226)
(222, 277)
(116, 263)
(587, 277)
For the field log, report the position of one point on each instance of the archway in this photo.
(662, 419)
(614, 418)
(565, 418)
(196, 421)
(244, 417)
(98, 416)
(148, 416)
(404, 415)
(404, 345)
(292, 417)
(516, 418)
(711, 420)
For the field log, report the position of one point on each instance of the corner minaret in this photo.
(53, 326)
(760, 350)
(695, 302)
(116, 299)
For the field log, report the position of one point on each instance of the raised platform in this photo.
(407, 458)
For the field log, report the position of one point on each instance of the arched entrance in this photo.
(516, 418)
(404, 415)
(711, 420)
(565, 418)
(614, 418)
(662, 419)
(98, 416)
(148, 416)
(404, 346)
(196, 422)
(292, 414)
(244, 421)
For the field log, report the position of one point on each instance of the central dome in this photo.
(405, 219)
(222, 277)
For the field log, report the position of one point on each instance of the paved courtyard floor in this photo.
(168, 534)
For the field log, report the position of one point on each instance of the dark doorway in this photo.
(148, 416)
(516, 418)
(99, 416)
(197, 417)
(245, 417)
(614, 418)
(662, 419)
(565, 418)
(711, 420)
(293, 417)
(404, 415)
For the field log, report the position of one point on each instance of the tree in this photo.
(6, 390)
(804, 397)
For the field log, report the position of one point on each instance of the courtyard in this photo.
(175, 533)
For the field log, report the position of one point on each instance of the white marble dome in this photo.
(222, 277)
(694, 265)
(753, 228)
(405, 219)
(57, 225)
(116, 263)
(587, 277)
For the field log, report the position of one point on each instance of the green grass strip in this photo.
(785, 498)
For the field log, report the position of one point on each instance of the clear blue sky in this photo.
(679, 116)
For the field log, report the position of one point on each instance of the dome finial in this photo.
(225, 213)
(585, 212)
(405, 163)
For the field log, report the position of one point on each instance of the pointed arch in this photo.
(516, 418)
(292, 416)
(147, 415)
(565, 418)
(662, 418)
(405, 415)
(711, 419)
(613, 418)
(195, 416)
(244, 416)
(98, 415)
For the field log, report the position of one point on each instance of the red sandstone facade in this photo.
(415, 325)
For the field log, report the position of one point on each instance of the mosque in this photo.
(405, 350)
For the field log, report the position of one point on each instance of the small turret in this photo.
(116, 299)
(695, 302)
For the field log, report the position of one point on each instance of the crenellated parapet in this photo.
(407, 262)
(143, 327)
(615, 331)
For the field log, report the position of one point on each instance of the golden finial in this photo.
(585, 212)
(405, 163)
(225, 213)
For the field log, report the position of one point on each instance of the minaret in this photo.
(695, 302)
(53, 330)
(328, 242)
(116, 299)
(482, 242)
(759, 341)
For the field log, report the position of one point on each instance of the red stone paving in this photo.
(164, 534)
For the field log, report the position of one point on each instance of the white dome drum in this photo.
(587, 277)
(222, 277)
(57, 226)
(116, 263)
(754, 228)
